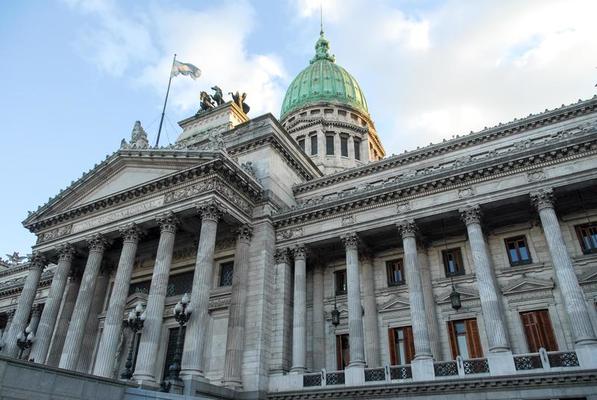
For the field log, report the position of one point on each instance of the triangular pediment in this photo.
(122, 171)
(465, 294)
(134, 299)
(396, 303)
(588, 277)
(527, 284)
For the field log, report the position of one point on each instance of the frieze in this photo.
(466, 192)
(536, 175)
(348, 220)
(289, 234)
(403, 207)
(123, 213)
(200, 188)
(54, 233)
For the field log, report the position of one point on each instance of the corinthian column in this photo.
(282, 318)
(370, 318)
(152, 328)
(572, 295)
(488, 292)
(299, 316)
(9, 317)
(355, 309)
(412, 270)
(236, 317)
(24, 304)
(43, 336)
(318, 325)
(108, 346)
(76, 330)
(195, 337)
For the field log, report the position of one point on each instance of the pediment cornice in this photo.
(527, 284)
(466, 294)
(395, 303)
(588, 277)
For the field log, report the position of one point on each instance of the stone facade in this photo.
(280, 260)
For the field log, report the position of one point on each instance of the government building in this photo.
(292, 258)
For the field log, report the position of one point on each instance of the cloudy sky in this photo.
(76, 74)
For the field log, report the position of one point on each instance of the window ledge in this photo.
(519, 269)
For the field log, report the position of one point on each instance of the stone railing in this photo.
(545, 360)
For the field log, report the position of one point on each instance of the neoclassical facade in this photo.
(467, 266)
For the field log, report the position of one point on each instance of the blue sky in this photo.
(77, 74)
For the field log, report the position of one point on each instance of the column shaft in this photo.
(495, 327)
(76, 329)
(318, 319)
(152, 328)
(10, 316)
(370, 318)
(236, 318)
(104, 365)
(70, 297)
(299, 315)
(572, 294)
(24, 304)
(39, 350)
(415, 291)
(196, 333)
(355, 309)
(282, 320)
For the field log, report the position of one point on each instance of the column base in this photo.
(192, 382)
(298, 370)
(587, 356)
(143, 379)
(422, 369)
(232, 383)
(501, 363)
(354, 374)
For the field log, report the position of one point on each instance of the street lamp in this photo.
(335, 314)
(25, 340)
(134, 322)
(182, 313)
(455, 298)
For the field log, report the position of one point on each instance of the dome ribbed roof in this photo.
(323, 80)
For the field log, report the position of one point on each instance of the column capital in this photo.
(211, 210)
(407, 228)
(37, 261)
(244, 233)
(350, 240)
(167, 222)
(97, 242)
(542, 198)
(66, 252)
(470, 215)
(130, 232)
(10, 314)
(281, 256)
(299, 252)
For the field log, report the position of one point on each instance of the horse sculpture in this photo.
(217, 96)
(206, 102)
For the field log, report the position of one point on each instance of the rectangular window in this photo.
(357, 149)
(226, 273)
(395, 271)
(343, 146)
(587, 235)
(313, 145)
(342, 351)
(171, 349)
(518, 251)
(453, 262)
(464, 339)
(329, 145)
(538, 330)
(301, 143)
(402, 346)
(340, 281)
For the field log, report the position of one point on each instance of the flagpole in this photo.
(165, 101)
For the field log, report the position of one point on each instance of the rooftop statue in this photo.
(15, 258)
(206, 102)
(239, 100)
(217, 96)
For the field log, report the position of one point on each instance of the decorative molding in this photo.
(536, 175)
(289, 234)
(54, 233)
(466, 192)
(526, 284)
(403, 207)
(395, 303)
(348, 220)
(201, 188)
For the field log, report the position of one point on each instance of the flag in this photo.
(185, 69)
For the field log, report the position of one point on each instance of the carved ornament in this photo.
(542, 198)
(97, 243)
(470, 215)
(407, 228)
(536, 175)
(350, 241)
(54, 233)
(167, 222)
(299, 252)
(244, 233)
(37, 261)
(130, 232)
(211, 210)
(281, 256)
(66, 252)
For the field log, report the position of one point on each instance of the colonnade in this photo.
(79, 296)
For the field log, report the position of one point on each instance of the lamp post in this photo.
(335, 314)
(134, 322)
(182, 313)
(25, 340)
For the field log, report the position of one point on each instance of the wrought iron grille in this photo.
(527, 361)
(401, 372)
(375, 374)
(475, 366)
(226, 273)
(563, 359)
(310, 380)
(446, 368)
(334, 378)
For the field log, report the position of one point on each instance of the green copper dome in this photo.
(323, 80)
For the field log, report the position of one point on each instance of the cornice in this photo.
(15, 286)
(309, 122)
(474, 138)
(434, 181)
(220, 166)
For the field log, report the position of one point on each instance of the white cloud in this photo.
(459, 66)
(141, 43)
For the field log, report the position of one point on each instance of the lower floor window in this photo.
(171, 349)
(464, 339)
(402, 346)
(342, 351)
(538, 330)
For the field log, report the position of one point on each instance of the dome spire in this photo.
(322, 46)
(321, 18)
